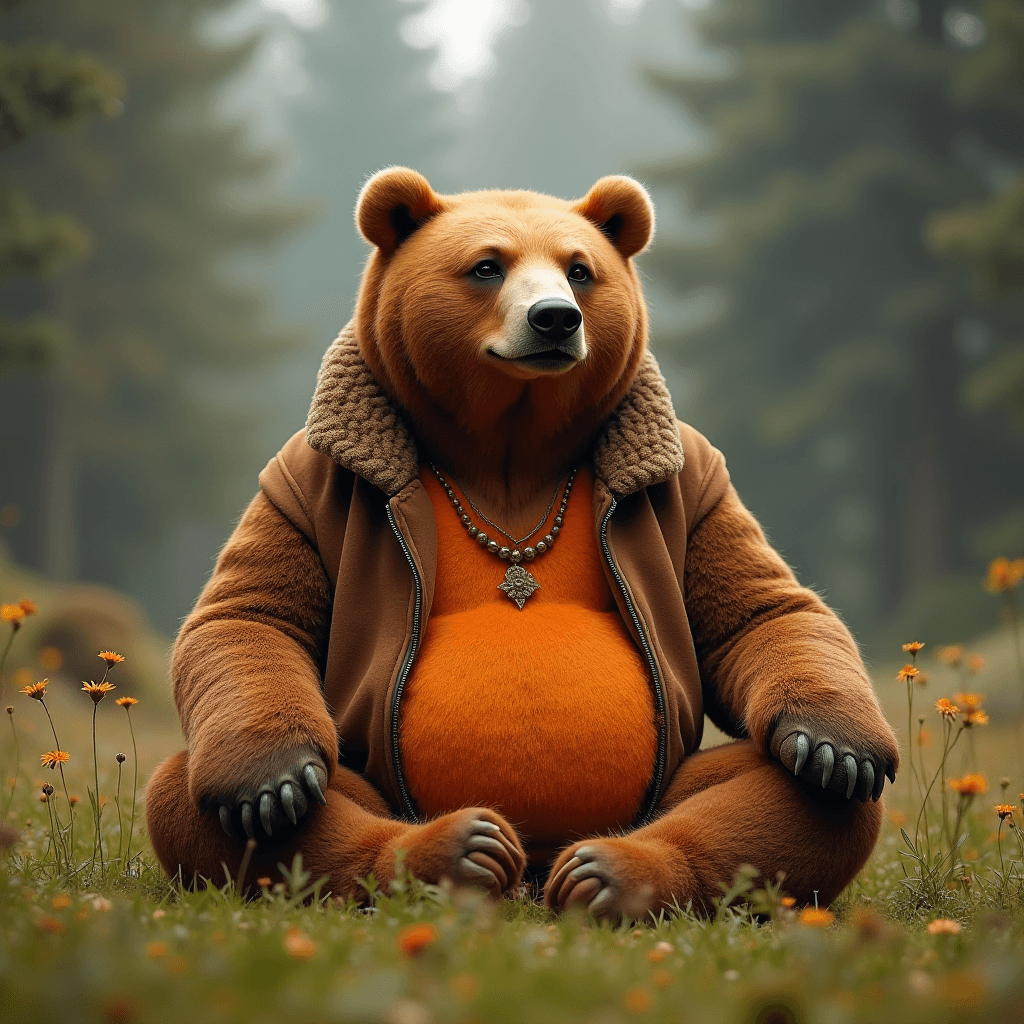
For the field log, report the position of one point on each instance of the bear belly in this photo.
(545, 715)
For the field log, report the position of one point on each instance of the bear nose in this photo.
(554, 319)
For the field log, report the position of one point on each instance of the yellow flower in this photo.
(27, 606)
(1005, 811)
(970, 701)
(914, 647)
(816, 917)
(125, 702)
(943, 926)
(111, 658)
(951, 655)
(52, 758)
(975, 717)
(969, 785)
(946, 708)
(98, 690)
(37, 691)
(906, 673)
(1004, 575)
(12, 613)
(298, 945)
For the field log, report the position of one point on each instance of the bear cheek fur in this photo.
(423, 328)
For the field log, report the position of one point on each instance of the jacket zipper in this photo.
(659, 694)
(403, 675)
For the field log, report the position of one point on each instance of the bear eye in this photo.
(487, 270)
(579, 273)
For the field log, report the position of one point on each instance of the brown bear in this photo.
(480, 606)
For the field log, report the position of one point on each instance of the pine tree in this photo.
(129, 431)
(41, 87)
(832, 375)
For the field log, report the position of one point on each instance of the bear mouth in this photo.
(547, 359)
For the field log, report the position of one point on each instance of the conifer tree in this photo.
(128, 431)
(833, 373)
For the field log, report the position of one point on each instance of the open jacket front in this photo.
(320, 597)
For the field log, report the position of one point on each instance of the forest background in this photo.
(835, 287)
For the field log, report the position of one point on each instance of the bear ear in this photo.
(392, 205)
(622, 209)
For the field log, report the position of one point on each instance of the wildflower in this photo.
(943, 926)
(816, 917)
(975, 663)
(98, 690)
(51, 658)
(73, 799)
(298, 945)
(61, 901)
(951, 655)
(906, 673)
(946, 708)
(111, 658)
(37, 691)
(125, 702)
(52, 758)
(970, 701)
(636, 1000)
(27, 606)
(1005, 811)
(975, 718)
(914, 647)
(12, 613)
(924, 737)
(660, 951)
(1004, 575)
(414, 938)
(788, 902)
(921, 679)
(969, 785)
(264, 882)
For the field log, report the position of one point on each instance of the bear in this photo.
(388, 667)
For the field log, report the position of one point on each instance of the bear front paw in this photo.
(826, 758)
(291, 781)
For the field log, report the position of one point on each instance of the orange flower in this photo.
(788, 902)
(969, 785)
(636, 1000)
(975, 663)
(816, 917)
(298, 945)
(1004, 575)
(975, 717)
(414, 938)
(659, 952)
(125, 702)
(98, 690)
(12, 613)
(970, 701)
(946, 708)
(27, 606)
(52, 758)
(906, 673)
(913, 647)
(111, 658)
(1005, 810)
(37, 691)
(951, 655)
(155, 950)
(943, 926)
(924, 737)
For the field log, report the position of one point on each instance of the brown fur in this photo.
(298, 638)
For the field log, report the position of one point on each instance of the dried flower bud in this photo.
(120, 758)
(48, 789)
(10, 710)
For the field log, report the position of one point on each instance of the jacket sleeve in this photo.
(246, 664)
(766, 645)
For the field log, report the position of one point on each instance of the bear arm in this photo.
(771, 651)
(245, 665)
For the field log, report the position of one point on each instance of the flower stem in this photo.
(96, 776)
(117, 804)
(3, 657)
(71, 810)
(135, 790)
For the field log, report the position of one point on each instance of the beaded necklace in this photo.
(519, 584)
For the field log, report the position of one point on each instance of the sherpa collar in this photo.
(353, 421)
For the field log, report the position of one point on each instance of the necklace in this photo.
(519, 584)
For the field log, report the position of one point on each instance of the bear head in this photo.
(509, 315)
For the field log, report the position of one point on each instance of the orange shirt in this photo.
(545, 714)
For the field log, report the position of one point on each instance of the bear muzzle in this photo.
(550, 340)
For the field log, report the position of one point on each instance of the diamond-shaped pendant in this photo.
(518, 585)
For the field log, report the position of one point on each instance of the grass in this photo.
(100, 939)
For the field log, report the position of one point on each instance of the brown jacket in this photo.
(309, 627)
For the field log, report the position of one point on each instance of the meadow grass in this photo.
(931, 930)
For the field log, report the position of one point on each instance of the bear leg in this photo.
(352, 836)
(724, 807)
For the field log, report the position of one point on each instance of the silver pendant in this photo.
(518, 585)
